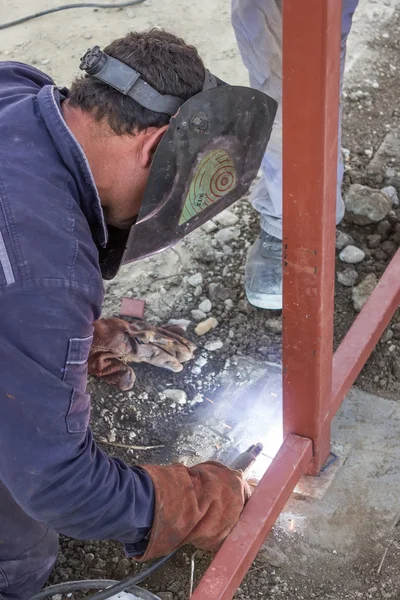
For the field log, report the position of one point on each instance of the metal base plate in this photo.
(316, 487)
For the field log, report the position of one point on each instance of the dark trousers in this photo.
(28, 550)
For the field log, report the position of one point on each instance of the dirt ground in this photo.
(245, 338)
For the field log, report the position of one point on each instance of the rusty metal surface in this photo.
(364, 334)
(270, 496)
(311, 44)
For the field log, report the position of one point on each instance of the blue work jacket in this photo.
(51, 292)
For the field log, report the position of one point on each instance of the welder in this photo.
(138, 152)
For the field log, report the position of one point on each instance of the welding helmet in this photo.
(206, 160)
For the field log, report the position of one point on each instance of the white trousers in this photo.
(258, 29)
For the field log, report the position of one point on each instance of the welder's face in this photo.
(127, 197)
(129, 173)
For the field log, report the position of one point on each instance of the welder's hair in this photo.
(164, 61)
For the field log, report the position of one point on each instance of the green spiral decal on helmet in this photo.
(215, 176)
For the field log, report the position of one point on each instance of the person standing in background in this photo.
(258, 29)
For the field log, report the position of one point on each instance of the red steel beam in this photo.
(233, 560)
(311, 51)
(364, 334)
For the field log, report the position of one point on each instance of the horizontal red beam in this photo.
(364, 334)
(231, 563)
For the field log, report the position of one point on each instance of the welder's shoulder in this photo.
(18, 78)
(43, 231)
(44, 234)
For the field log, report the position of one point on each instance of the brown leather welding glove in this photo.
(117, 343)
(198, 505)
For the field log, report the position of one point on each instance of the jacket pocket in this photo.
(76, 365)
(79, 412)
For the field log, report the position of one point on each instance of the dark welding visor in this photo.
(206, 160)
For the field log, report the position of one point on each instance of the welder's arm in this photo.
(49, 460)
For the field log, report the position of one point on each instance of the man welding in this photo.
(140, 151)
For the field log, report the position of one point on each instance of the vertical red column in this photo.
(311, 65)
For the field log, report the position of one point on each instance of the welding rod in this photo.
(247, 458)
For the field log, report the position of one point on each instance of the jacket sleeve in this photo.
(48, 458)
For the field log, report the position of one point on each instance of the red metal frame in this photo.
(270, 496)
(364, 334)
(311, 67)
(314, 382)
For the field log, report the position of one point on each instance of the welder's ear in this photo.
(152, 138)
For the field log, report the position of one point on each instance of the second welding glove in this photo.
(117, 343)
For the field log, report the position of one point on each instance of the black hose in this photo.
(126, 584)
(74, 586)
(95, 584)
(91, 584)
(67, 7)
